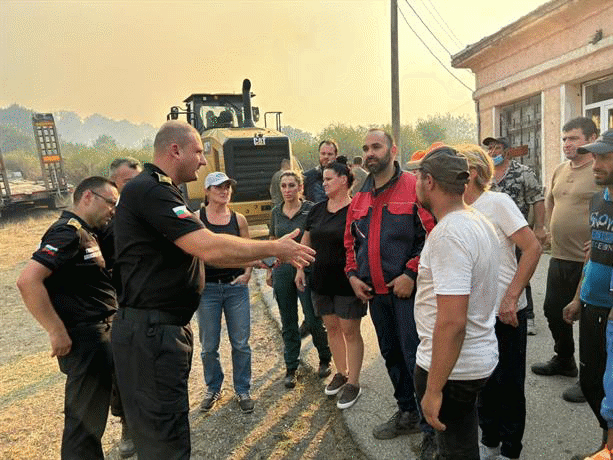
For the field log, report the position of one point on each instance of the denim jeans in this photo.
(606, 409)
(460, 441)
(397, 336)
(233, 301)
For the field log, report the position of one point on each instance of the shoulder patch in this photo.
(74, 223)
(162, 178)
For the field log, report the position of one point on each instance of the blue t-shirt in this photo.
(598, 270)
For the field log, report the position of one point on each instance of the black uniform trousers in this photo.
(562, 279)
(88, 369)
(152, 360)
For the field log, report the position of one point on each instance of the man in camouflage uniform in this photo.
(520, 183)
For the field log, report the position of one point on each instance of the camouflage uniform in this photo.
(521, 184)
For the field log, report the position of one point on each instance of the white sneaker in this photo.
(489, 453)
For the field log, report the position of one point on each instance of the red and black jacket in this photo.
(385, 231)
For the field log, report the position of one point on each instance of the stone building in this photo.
(553, 64)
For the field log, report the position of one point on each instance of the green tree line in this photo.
(81, 161)
(445, 128)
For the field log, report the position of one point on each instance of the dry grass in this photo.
(297, 424)
(20, 237)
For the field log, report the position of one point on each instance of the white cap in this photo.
(217, 178)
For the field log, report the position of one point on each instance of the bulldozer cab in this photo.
(233, 144)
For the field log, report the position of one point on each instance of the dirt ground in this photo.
(286, 424)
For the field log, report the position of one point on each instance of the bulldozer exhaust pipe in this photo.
(247, 104)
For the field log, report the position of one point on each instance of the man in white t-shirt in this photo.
(454, 306)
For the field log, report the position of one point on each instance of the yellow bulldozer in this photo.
(233, 144)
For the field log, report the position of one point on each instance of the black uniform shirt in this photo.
(154, 273)
(79, 286)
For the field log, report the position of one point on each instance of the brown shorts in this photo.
(343, 306)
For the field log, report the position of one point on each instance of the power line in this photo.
(433, 55)
(457, 40)
(426, 26)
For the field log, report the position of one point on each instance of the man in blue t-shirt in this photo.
(593, 302)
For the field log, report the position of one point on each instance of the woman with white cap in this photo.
(225, 291)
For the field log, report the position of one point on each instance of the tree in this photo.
(105, 142)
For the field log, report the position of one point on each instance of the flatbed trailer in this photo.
(53, 189)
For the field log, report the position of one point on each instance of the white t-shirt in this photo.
(503, 213)
(460, 257)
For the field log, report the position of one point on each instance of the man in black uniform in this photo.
(160, 250)
(68, 291)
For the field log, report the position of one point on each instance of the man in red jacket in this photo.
(384, 235)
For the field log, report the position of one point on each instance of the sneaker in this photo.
(531, 327)
(349, 396)
(304, 330)
(324, 370)
(245, 403)
(335, 385)
(126, 444)
(502, 457)
(210, 398)
(427, 447)
(400, 423)
(290, 379)
(488, 453)
(574, 394)
(557, 366)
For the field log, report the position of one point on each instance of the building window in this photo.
(521, 123)
(598, 102)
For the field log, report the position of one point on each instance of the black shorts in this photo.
(343, 306)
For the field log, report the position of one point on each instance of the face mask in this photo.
(497, 159)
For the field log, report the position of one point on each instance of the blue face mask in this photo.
(497, 159)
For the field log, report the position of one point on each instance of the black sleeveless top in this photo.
(221, 275)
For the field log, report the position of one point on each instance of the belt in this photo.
(151, 316)
(108, 320)
(223, 280)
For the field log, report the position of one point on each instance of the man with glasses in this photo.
(68, 290)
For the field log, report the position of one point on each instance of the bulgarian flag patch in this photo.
(182, 212)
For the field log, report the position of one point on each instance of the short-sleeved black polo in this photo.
(154, 273)
(79, 286)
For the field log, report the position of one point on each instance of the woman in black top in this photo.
(333, 297)
(225, 291)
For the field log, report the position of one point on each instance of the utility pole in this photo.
(395, 81)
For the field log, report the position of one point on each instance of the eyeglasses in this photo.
(108, 201)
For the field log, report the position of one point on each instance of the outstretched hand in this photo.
(289, 251)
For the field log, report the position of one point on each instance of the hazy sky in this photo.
(317, 62)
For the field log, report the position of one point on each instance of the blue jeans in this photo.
(606, 409)
(233, 300)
